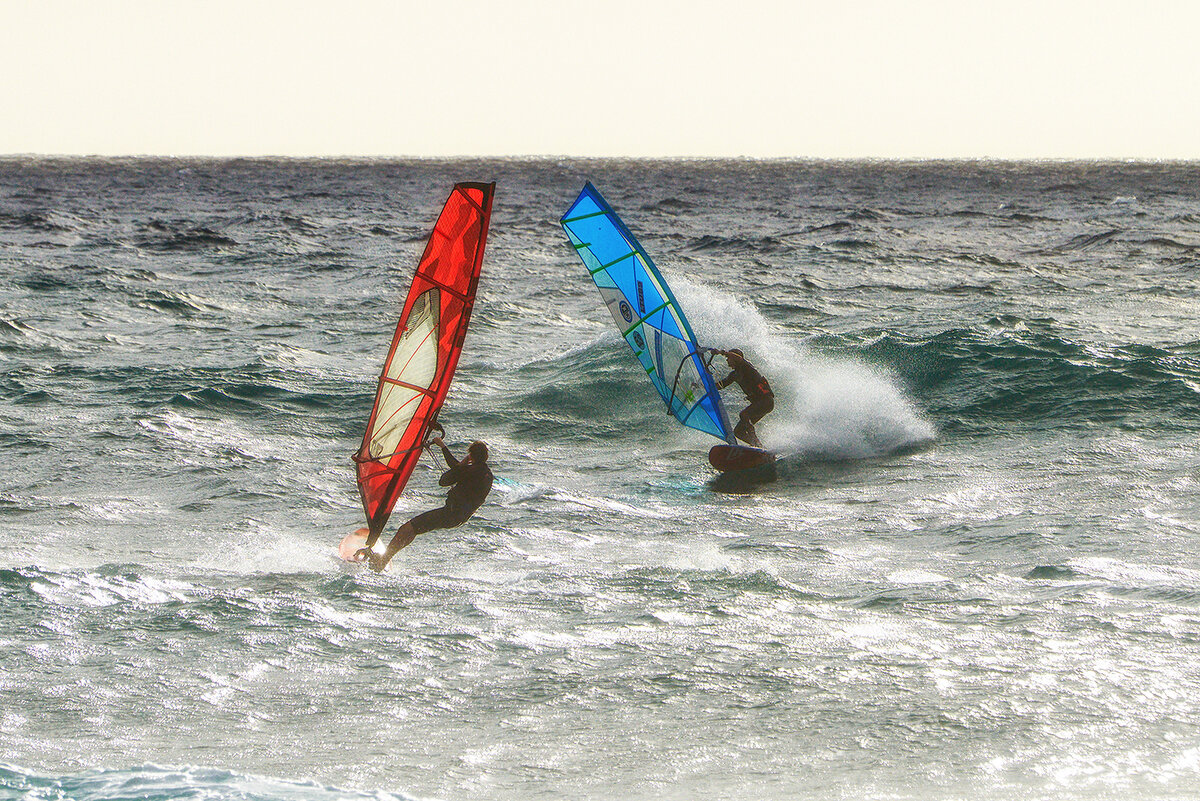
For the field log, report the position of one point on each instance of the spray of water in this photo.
(825, 408)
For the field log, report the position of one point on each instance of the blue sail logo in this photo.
(626, 312)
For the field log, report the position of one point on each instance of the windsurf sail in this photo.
(425, 349)
(646, 313)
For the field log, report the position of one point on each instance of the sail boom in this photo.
(397, 382)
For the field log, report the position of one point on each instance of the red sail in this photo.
(424, 351)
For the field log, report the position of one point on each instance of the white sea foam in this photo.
(258, 547)
(832, 408)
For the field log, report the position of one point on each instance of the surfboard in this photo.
(351, 543)
(728, 458)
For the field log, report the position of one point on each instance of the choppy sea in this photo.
(976, 576)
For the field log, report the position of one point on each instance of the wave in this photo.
(873, 215)
(283, 581)
(827, 407)
(833, 227)
(1168, 243)
(1012, 370)
(255, 387)
(14, 328)
(1085, 576)
(672, 205)
(169, 784)
(41, 221)
(734, 244)
(592, 393)
(252, 395)
(298, 222)
(181, 236)
(179, 303)
(1082, 242)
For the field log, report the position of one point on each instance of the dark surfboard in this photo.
(727, 458)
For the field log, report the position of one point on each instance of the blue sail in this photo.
(646, 313)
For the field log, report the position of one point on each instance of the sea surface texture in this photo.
(976, 575)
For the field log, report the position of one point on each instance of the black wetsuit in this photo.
(756, 389)
(469, 485)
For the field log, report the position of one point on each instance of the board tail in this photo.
(728, 458)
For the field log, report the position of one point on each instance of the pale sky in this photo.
(753, 78)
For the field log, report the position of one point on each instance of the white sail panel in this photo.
(410, 375)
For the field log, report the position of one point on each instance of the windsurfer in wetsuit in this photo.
(469, 481)
(757, 391)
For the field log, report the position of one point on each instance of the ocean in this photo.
(975, 576)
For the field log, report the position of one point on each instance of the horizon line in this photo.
(564, 157)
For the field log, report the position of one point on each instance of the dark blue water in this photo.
(977, 575)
